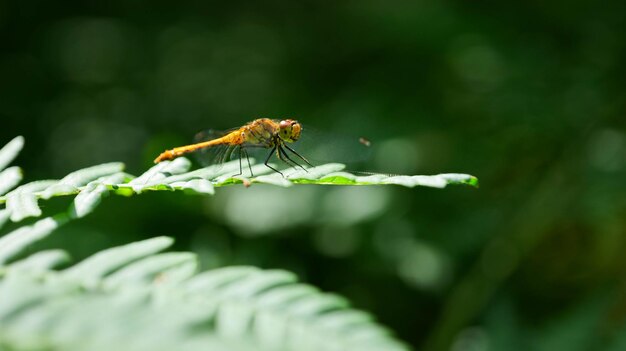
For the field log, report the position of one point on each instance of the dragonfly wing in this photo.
(215, 155)
(219, 154)
(208, 134)
(323, 147)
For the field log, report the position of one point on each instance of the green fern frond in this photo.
(10, 151)
(92, 183)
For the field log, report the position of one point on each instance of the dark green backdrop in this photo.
(528, 97)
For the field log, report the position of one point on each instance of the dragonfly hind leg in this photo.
(243, 151)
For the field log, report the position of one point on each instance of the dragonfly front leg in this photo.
(297, 154)
(288, 159)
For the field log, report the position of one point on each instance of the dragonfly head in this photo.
(289, 130)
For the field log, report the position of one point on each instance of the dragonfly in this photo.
(267, 133)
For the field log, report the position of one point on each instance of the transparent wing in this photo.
(218, 155)
(215, 155)
(323, 147)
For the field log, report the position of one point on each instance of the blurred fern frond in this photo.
(134, 298)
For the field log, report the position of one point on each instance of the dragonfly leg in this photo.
(243, 151)
(270, 167)
(247, 159)
(297, 154)
(240, 168)
(288, 159)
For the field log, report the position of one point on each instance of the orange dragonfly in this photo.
(263, 132)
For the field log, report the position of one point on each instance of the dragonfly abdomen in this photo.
(182, 150)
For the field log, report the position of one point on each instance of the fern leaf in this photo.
(9, 178)
(14, 243)
(86, 175)
(22, 202)
(41, 261)
(157, 173)
(89, 197)
(98, 265)
(146, 270)
(10, 151)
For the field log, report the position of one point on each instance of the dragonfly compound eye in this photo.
(296, 129)
(289, 130)
(284, 124)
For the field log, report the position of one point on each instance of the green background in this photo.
(530, 98)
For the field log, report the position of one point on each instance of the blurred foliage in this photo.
(132, 297)
(528, 97)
